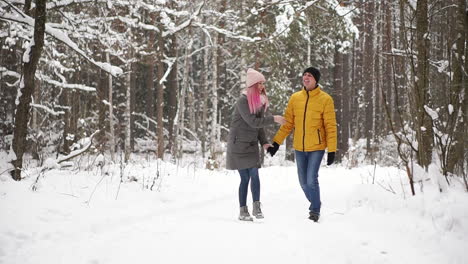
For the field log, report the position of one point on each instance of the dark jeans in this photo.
(246, 175)
(308, 165)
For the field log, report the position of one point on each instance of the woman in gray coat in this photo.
(246, 131)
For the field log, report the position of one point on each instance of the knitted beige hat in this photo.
(253, 77)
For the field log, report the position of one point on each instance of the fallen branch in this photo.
(51, 163)
(89, 142)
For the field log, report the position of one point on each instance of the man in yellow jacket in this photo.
(311, 113)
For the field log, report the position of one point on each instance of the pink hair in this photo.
(254, 98)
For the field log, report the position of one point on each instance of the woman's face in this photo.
(261, 87)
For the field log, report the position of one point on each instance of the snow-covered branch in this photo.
(170, 63)
(131, 22)
(285, 27)
(147, 118)
(85, 144)
(51, 163)
(184, 24)
(22, 18)
(432, 113)
(63, 3)
(5, 72)
(59, 4)
(48, 110)
(67, 85)
(227, 33)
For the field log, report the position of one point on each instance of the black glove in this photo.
(331, 158)
(272, 150)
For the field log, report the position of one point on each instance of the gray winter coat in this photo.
(245, 132)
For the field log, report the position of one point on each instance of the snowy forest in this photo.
(115, 114)
(162, 76)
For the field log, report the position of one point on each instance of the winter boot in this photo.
(244, 214)
(314, 216)
(257, 211)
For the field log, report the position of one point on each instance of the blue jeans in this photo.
(246, 175)
(308, 165)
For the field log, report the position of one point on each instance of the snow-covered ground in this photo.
(190, 216)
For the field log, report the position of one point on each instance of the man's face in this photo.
(308, 81)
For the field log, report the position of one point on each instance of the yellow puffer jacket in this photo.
(312, 116)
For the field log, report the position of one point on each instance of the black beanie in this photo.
(315, 72)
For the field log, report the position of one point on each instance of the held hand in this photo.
(279, 119)
(330, 158)
(273, 149)
(266, 146)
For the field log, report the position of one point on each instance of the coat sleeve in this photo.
(262, 137)
(286, 129)
(329, 120)
(251, 119)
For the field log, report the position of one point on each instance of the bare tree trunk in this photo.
(160, 97)
(133, 84)
(205, 88)
(172, 92)
(150, 62)
(128, 110)
(150, 91)
(65, 100)
(70, 99)
(338, 96)
(214, 102)
(27, 87)
(423, 122)
(458, 96)
(111, 113)
(180, 125)
(368, 68)
(401, 71)
(190, 92)
(357, 84)
(378, 126)
(345, 125)
(387, 72)
(101, 97)
(465, 102)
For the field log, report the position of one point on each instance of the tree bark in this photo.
(172, 92)
(111, 112)
(205, 88)
(458, 94)
(345, 125)
(150, 90)
(180, 126)
(101, 97)
(128, 106)
(338, 96)
(423, 122)
(214, 102)
(357, 84)
(150, 63)
(368, 77)
(160, 97)
(192, 122)
(27, 88)
(133, 84)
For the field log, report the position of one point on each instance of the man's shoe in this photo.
(314, 216)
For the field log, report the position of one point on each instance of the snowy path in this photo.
(193, 219)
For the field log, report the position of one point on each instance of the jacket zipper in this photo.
(303, 123)
(318, 132)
